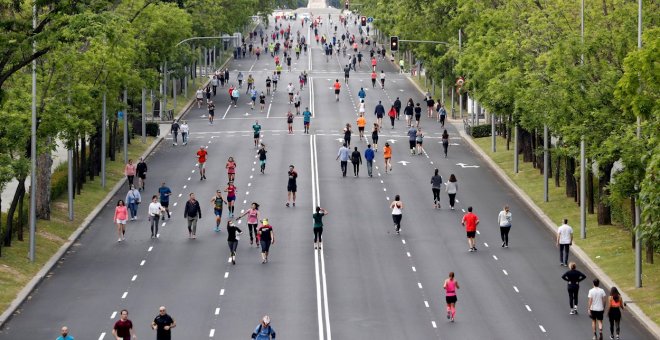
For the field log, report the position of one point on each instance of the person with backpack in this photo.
(264, 331)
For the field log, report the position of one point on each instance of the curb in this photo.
(24, 294)
(634, 310)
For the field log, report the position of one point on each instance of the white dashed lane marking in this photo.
(113, 315)
(217, 311)
(142, 263)
(505, 273)
(528, 308)
(542, 329)
(516, 289)
(123, 296)
(134, 277)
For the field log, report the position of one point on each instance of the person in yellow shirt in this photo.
(361, 123)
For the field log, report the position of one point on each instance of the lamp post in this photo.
(33, 146)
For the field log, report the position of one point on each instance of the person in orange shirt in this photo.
(361, 123)
(337, 87)
(387, 154)
(373, 79)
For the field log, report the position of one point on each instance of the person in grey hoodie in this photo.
(436, 185)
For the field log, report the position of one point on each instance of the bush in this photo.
(59, 181)
(153, 129)
(481, 131)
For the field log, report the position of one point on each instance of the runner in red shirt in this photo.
(201, 162)
(337, 88)
(470, 221)
(123, 328)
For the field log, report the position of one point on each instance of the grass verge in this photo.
(15, 268)
(608, 246)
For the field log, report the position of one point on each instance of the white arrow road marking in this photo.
(463, 165)
(403, 162)
(392, 141)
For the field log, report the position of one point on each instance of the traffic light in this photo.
(394, 43)
(363, 21)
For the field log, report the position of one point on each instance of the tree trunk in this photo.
(571, 183)
(534, 145)
(508, 133)
(649, 252)
(83, 159)
(44, 165)
(12, 210)
(21, 217)
(604, 209)
(525, 139)
(632, 213)
(590, 189)
(557, 171)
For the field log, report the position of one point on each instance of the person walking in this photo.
(374, 137)
(201, 162)
(141, 172)
(129, 171)
(199, 96)
(343, 155)
(573, 277)
(307, 118)
(392, 114)
(120, 217)
(163, 324)
(291, 186)
(356, 160)
(564, 241)
(369, 156)
(504, 221)
(253, 221)
(337, 87)
(289, 122)
(387, 155)
(232, 239)
(348, 131)
(445, 142)
(165, 193)
(379, 111)
(192, 213)
(231, 169)
(450, 286)
(596, 308)
(155, 210)
(318, 226)
(133, 199)
(451, 188)
(185, 130)
(615, 307)
(64, 334)
(123, 328)
(397, 214)
(436, 185)
(211, 109)
(470, 221)
(264, 331)
(442, 114)
(266, 239)
(412, 139)
(217, 202)
(174, 129)
(397, 107)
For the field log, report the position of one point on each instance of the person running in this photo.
(163, 324)
(217, 202)
(264, 331)
(436, 185)
(211, 109)
(155, 211)
(361, 123)
(347, 134)
(362, 107)
(374, 137)
(318, 226)
(231, 197)
(235, 94)
(268, 85)
(289, 122)
(408, 112)
(290, 90)
(291, 186)
(362, 94)
(231, 169)
(250, 83)
(185, 130)
(307, 118)
(418, 114)
(452, 188)
(276, 78)
(382, 79)
(445, 141)
(192, 213)
(369, 157)
(442, 114)
(262, 157)
(141, 172)
(573, 277)
(615, 306)
(412, 137)
(165, 192)
(596, 308)
(120, 217)
(450, 287)
(256, 129)
(266, 239)
(504, 221)
(374, 76)
(232, 239)
(470, 221)
(337, 88)
(262, 101)
(419, 140)
(347, 71)
(387, 154)
(252, 221)
(379, 111)
(201, 162)
(397, 214)
(296, 102)
(343, 155)
(430, 103)
(133, 199)
(129, 171)
(356, 160)
(123, 328)
(253, 98)
(392, 114)
(564, 241)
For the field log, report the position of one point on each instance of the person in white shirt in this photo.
(199, 95)
(184, 132)
(154, 215)
(596, 308)
(504, 221)
(362, 108)
(290, 90)
(451, 188)
(564, 241)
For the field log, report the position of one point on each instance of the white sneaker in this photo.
(119, 240)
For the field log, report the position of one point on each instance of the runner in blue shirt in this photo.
(165, 193)
(307, 117)
(361, 93)
(257, 129)
(369, 157)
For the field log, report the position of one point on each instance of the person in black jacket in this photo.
(397, 107)
(141, 172)
(356, 159)
(573, 277)
(192, 212)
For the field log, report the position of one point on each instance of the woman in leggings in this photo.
(615, 307)
(397, 214)
(436, 185)
(452, 189)
(318, 226)
(573, 277)
(252, 221)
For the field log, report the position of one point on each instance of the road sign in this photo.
(120, 114)
(370, 19)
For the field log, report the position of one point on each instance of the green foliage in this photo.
(152, 129)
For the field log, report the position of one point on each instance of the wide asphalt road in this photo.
(366, 282)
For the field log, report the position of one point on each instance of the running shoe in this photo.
(233, 261)
(475, 248)
(503, 244)
(119, 240)
(448, 315)
(452, 320)
(287, 204)
(572, 312)
(470, 250)
(216, 229)
(294, 204)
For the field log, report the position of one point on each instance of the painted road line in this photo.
(226, 275)
(419, 284)
(542, 329)
(426, 303)
(528, 308)
(433, 324)
(408, 253)
(268, 114)
(319, 259)
(217, 311)
(222, 292)
(414, 269)
(123, 296)
(225, 115)
(102, 336)
(134, 277)
(505, 273)
(142, 263)
(495, 257)
(113, 315)
(212, 332)
(486, 244)
(403, 241)
(150, 248)
(516, 289)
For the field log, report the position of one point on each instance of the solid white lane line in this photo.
(123, 296)
(542, 329)
(505, 273)
(516, 289)
(217, 311)
(414, 269)
(142, 263)
(102, 336)
(212, 332)
(426, 303)
(495, 257)
(226, 275)
(222, 292)
(528, 308)
(134, 277)
(325, 292)
(268, 114)
(433, 324)
(113, 315)
(150, 248)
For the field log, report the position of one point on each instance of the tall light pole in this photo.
(638, 236)
(33, 145)
(583, 159)
(104, 117)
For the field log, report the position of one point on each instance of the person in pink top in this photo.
(231, 168)
(129, 171)
(450, 287)
(253, 221)
(120, 217)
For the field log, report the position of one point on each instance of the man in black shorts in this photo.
(291, 186)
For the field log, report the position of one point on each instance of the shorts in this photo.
(336, 91)
(306, 123)
(361, 128)
(256, 135)
(419, 143)
(471, 234)
(265, 246)
(379, 115)
(262, 162)
(417, 117)
(217, 212)
(231, 198)
(451, 299)
(291, 188)
(142, 175)
(165, 204)
(120, 221)
(201, 165)
(297, 104)
(596, 315)
(411, 143)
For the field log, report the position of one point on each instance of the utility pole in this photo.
(144, 115)
(33, 146)
(583, 160)
(104, 117)
(638, 233)
(125, 126)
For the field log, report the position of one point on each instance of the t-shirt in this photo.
(202, 155)
(597, 295)
(337, 86)
(361, 122)
(318, 219)
(504, 218)
(123, 329)
(565, 231)
(161, 321)
(164, 194)
(387, 152)
(231, 167)
(307, 116)
(262, 154)
(470, 221)
(293, 175)
(412, 133)
(256, 128)
(264, 231)
(231, 191)
(68, 337)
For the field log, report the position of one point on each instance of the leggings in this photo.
(452, 199)
(397, 221)
(154, 224)
(192, 225)
(614, 316)
(573, 291)
(504, 234)
(436, 195)
(252, 228)
(130, 180)
(356, 168)
(392, 121)
(232, 247)
(317, 234)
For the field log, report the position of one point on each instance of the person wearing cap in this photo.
(264, 331)
(266, 238)
(232, 239)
